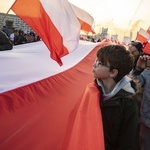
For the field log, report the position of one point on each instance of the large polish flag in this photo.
(54, 21)
(142, 36)
(85, 19)
(47, 107)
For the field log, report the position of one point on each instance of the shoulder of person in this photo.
(136, 85)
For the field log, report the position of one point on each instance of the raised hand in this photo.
(142, 62)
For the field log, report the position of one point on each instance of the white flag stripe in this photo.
(29, 63)
(83, 15)
(143, 33)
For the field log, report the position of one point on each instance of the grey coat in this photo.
(144, 78)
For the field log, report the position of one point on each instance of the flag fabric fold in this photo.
(85, 129)
(146, 44)
(142, 36)
(54, 21)
(146, 48)
(85, 19)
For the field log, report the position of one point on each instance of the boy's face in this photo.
(101, 71)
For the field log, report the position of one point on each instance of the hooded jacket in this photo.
(120, 115)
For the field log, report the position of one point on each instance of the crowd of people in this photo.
(19, 37)
(141, 71)
(16, 37)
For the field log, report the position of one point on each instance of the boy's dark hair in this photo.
(117, 57)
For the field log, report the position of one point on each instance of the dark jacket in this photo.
(5, 43)
(120, 116)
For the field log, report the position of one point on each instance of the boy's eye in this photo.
(99, 63)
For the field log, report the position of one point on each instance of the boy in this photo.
(118, 97)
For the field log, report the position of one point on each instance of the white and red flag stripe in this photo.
(85, 19)
(142, 35)
(146, 48)
(54, 21)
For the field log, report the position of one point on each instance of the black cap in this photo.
(138, 45)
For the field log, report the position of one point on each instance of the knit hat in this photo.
(138, 45)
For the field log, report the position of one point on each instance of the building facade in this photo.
(17, 23)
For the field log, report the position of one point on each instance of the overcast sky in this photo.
(120, 16)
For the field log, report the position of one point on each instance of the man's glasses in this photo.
(98, 63)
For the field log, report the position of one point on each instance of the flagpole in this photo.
(7, 12)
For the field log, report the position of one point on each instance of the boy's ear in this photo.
(114, 73)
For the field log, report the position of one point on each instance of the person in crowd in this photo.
(5, 43)
(6, 30)
(142, 73)
(19, 37)
(16, 37)
(136, 49)
(11, 37)
(118, 102)
(22, 38)
(99, 39)
(38, 38)
(31, 37)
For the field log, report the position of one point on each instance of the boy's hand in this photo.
(141, 63)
